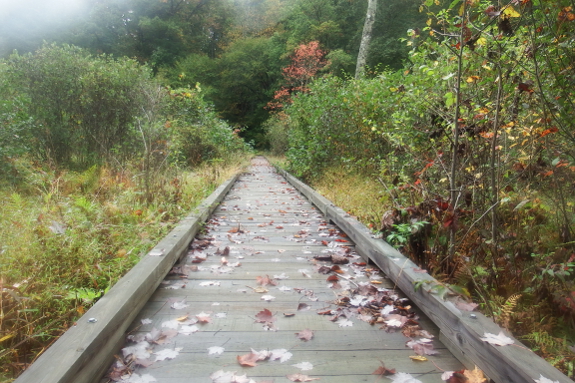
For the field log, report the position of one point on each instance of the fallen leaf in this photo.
(248, 360)
(543, 379)
(281, 276)
(171, 324)
(265, 281)
(497, 340)
(138, 351)
(167, 353)
(304, 366)
(203, 317)
(280, 354)
(187, 330)
(268, 298)
(422, 346)
(402, 377)
(343, 322)
(474, 376)
(300, 378)
(303, 307)
(146, 321)
(339, 260)
(383, 371)
(179, 305)
(265, 316)
(332, 278)
(209, 283)
(418, 358)
(215, 350)
(305, 335)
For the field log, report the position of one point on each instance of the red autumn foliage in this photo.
(307, 60)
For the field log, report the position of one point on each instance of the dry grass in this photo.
(66, 238)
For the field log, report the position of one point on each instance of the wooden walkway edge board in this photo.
(461, 330)
(85, 351)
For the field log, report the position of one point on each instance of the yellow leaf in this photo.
(437, 2)
(428, 22)
(474, 376)
(181, 319)
(418, 358)
(481, 41)
(472, 78)
(509, 11)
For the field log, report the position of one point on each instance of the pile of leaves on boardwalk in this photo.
(366, 301)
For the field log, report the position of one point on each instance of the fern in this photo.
(507, 309)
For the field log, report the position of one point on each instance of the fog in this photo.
(24, 24)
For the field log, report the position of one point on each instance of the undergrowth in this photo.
(67, 237)
(526, 288)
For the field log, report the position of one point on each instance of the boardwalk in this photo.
(260, 288)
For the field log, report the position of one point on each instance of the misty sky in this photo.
(24, 24)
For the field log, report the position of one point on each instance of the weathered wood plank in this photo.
(325, 364)
(340, 354)
(503, 364)
(85, 351)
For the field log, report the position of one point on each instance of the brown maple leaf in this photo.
(248, 360)
(265, 281)
(339, 260)
(265, 316)
(383, 371)
(303, 307)
(305, 335)
(300, 378)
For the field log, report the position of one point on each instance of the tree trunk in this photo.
(365, 38)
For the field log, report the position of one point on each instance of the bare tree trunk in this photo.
(365, 38)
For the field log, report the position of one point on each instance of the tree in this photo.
(365, 38)
(306, 62)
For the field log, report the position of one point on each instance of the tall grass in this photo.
(67, 237)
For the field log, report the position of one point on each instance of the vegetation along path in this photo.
(272, 291)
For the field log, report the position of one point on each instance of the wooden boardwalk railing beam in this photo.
(85, 351)
(461, 331)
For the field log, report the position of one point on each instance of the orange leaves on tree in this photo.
(306, 62)
(566, 14)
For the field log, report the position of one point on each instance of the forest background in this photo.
(455, 143)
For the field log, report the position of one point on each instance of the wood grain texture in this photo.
(262, 205)
(85, 351)
(515, 363)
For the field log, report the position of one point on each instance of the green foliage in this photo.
(401, 232)
(80, 105)
(196, 134)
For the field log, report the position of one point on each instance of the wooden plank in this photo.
(323, 340)
(189, 366)
(85, 351)
(341, 354)
(515, 364)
